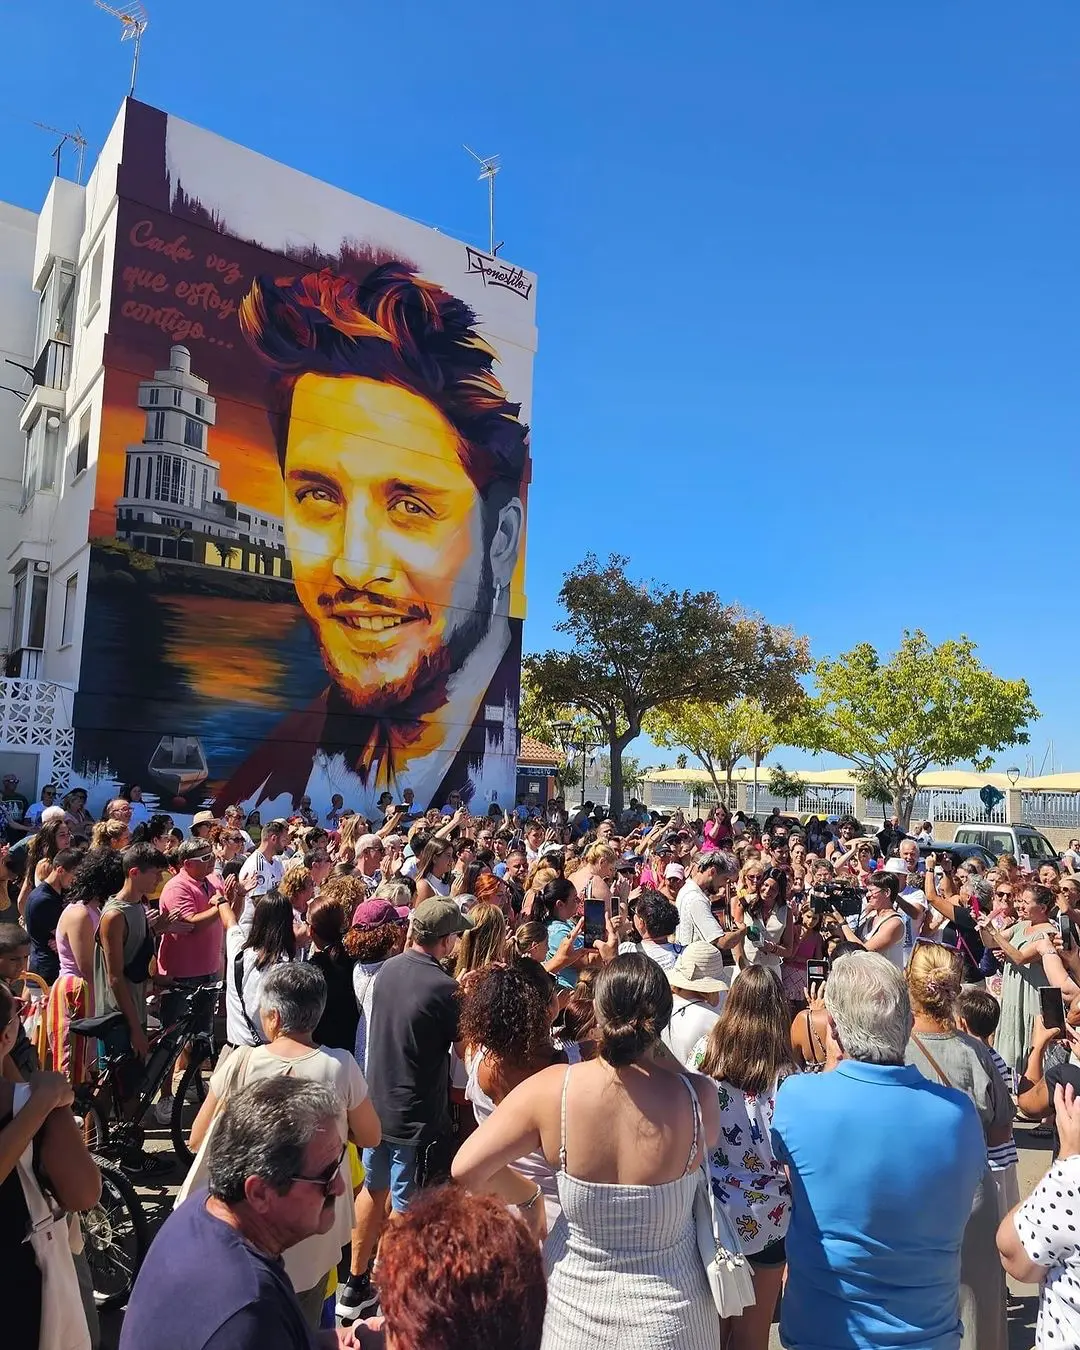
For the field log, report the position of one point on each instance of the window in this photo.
(154, 396)
(71, 595)
(39, 598)
(40, 455)
(97, 267)
(82, 447)
(18, 610)
(56, 306)
(200, 407)
(155, 426)
(177, 397)
(193, 433)
(138, 466)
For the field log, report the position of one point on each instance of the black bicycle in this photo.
(114, 1107)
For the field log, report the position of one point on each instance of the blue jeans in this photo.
(392, 1167)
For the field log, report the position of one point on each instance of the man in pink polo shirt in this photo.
(194, 957)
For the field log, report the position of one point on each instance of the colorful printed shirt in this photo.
(747, 1180)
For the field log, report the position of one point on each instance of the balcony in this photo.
(53, 366)
(35, 716)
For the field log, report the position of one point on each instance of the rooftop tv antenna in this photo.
(77, 139)
(489, 167)
(134, 20)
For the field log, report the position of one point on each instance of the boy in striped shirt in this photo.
(979, 1013)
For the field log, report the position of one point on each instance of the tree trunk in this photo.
(903, 803)
(616, 746)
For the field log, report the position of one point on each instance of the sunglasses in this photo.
(327, 1176)
(1003, 895)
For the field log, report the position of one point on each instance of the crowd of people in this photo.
(477, 1076)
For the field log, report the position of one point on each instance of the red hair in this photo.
(460, 1272)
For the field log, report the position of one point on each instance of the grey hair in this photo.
(397, 893)
(367, 841)
(263, 1131)
(980, 889)
(867, 999)
(295, 991)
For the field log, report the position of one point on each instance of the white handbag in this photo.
(731, 1281)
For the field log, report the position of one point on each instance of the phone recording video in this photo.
(595, 922)
(1052, 1008)
(1065, 928)
(817, 972)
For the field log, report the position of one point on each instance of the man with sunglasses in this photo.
(213, 1278)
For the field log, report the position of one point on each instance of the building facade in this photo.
(264, 464)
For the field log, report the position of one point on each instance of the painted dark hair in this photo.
(401, 329)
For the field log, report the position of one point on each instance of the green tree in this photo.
(681, 761)
(718, 735)
(639, 646)
(786, 786)
(925, 705)
(546, 723)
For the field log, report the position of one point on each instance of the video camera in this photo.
(836, 895)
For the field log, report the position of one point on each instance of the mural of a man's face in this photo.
(385, 531)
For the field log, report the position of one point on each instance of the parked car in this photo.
(1019, 840)
(959, 852)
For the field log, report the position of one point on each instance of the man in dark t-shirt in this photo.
(213, 1278)
(414, 1022)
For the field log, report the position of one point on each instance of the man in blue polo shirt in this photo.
(884, 1166)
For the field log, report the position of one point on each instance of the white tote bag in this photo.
(63, 1321)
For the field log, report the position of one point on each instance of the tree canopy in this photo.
(924, 705)
(636, 646)
(787, 786)
(718, 735)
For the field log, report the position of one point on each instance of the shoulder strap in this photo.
(933, 1062)
(238, 982)
(562, 1120)
(696, 1105)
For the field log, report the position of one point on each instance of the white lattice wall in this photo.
(35, 718)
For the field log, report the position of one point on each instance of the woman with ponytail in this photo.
(626, 1133)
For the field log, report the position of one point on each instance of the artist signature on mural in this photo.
(495, 273)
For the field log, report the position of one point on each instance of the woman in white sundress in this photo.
(627, 1132)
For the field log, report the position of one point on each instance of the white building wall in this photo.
(18, 319)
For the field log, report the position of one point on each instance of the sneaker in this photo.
(162, 1111)
(357, 1299)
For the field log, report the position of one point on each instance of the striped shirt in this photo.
(1001, 1156)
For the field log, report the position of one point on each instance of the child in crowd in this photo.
(978, 1012)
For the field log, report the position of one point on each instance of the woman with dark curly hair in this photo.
(377, 934)
(460, 1272)
(505, 1027)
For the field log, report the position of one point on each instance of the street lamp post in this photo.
(565, 733)
(1013, 776)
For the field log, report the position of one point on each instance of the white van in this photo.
(1019, 840)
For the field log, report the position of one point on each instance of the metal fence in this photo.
(662, 796)
(1051, 810)
(958, 806)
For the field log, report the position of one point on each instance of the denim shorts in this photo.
(392, 1167)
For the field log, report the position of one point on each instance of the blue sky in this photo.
(808, 297)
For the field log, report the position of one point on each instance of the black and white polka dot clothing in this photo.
(1048, 1225)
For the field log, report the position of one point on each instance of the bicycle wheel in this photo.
(94, 1123)
(189, 1096)
(115, 1237)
